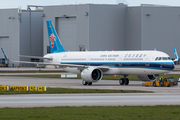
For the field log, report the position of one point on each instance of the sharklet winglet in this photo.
(4, 54)
(175, 55)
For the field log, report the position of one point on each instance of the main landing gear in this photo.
(86, 83)
(124, 81)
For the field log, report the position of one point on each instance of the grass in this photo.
(70, 90)
(93, 113)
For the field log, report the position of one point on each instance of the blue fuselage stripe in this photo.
(151, 65)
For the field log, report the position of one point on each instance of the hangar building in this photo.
(21, 33)
(90, 26)
(115, 27)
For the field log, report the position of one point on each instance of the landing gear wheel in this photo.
(84, 82)
(89, 83)
(126, 81)
(121, 81)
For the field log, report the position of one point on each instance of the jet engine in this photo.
(92, 74)
(146, 77)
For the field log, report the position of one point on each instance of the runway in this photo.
(162, 95)
(118, 99)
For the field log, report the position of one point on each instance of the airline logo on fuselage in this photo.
(52, 39)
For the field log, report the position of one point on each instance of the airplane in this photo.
(92, 65)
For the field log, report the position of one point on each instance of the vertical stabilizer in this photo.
(54, 41)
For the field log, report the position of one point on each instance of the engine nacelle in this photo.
(146, 77)
(92, 74)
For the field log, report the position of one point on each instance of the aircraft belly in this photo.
(72, 70)
(112, 71)
(137, 71)
(120, 71)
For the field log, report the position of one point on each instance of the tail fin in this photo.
(4, 54)
(54, 41)
(175, 55)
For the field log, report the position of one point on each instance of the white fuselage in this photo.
(118, 62)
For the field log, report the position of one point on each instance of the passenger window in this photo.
(140, 55)
(129, 55)
(126, 55)
(144, 55)
(169, 58)
(137, 55)
(133, 55)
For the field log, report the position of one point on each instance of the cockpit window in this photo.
(159, 58)
(156, 58)
(165, 58)
(140, 55)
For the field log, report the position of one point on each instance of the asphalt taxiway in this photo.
(104, 99)
(161, 95)
(77, 83)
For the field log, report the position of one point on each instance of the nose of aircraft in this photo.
(173, 66)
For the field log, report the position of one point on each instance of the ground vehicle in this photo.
(166, 81)
(3, 65)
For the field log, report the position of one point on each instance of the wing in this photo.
(81, 67)
(37, 57)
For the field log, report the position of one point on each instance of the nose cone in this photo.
(172, 66)
(169, 66)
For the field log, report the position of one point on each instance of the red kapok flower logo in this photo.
(52, 39)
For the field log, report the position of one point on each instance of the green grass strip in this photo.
(106, 77)
(93, 113)
(71, 90)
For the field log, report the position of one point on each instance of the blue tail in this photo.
(54, 41)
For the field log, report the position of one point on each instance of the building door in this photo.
(66, 28)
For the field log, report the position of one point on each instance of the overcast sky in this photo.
(23, 3)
